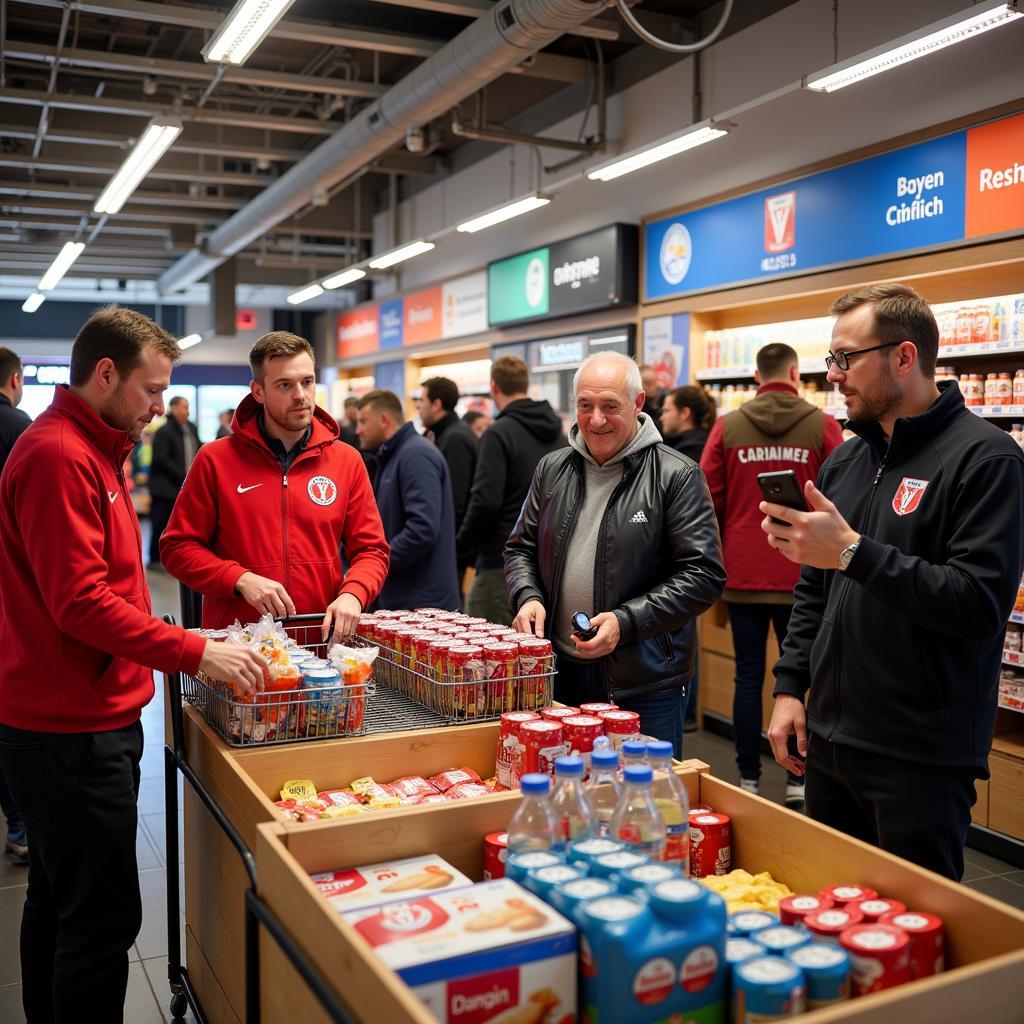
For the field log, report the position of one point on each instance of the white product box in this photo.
(375, 884)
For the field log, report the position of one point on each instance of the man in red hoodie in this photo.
(79, 644)
(776, 430)
(258, 524)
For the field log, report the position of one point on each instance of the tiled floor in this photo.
(148, 995)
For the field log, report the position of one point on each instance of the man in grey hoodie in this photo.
(621, 527)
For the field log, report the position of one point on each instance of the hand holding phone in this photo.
(782, 488)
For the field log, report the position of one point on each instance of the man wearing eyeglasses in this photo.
(911, 560)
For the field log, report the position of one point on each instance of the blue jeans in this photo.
(750, 624)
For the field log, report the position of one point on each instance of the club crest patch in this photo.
(322, 490)
(908, 496)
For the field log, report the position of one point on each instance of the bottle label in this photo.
(677, 844)
(654, 982)
(698, 969)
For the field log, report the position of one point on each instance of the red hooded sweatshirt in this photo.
(76, 629)
(238, 513)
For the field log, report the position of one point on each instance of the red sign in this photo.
(245, 320)
(422, 317)
(358, 332)
(483, 997)
(995, 177)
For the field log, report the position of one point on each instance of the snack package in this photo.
(339, 798)
(444, 781)
(394, 880)
(413, 785)
(355, 665)
(298, 789)
(292, 810)
(345, 811)
(744, 891)
(466, 790)
(369, 789)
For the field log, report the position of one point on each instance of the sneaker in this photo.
(795, 796)
(750, 786)
(17, 845)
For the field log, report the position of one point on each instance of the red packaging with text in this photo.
(542, 743)
(508, 762)
(710, 845)
(927, 943)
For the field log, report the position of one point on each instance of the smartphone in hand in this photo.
(782, 488)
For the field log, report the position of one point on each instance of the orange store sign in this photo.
(422, 317)
(995, 178)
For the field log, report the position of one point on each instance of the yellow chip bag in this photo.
(298, 789)
(344, 812)
(384, 803)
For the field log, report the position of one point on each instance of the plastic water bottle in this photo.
(575, 813)
(670, 796)
(633, 752)
(535, 825)
(604, 788)
(637, 821)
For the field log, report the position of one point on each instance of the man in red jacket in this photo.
(79, 643)
(776, 430)
(258, 524)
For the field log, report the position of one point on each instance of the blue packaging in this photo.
(540, 881)
(586, 851)
(826, 973)
(613, 864)
(518, 864)
(325, 702)
(640, 880)
(767, 988)
(781, 938)
(566, 897)
(739, 949)
(750, 922)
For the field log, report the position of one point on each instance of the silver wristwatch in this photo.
(846, 556)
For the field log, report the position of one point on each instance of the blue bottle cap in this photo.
(659, 748)
(570, 766)
(638, 773)
(634, 748)
(535, 783)
(607, 758)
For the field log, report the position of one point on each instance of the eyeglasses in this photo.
(842, 359)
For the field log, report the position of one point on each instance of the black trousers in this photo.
(159, 517)
(78, 795)
(920, 812)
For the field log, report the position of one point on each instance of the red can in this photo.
(508, 761)
(439, 649)
(875, 910)
(840, 895)
(620, 726)
(468, 697)
(710, 845)
(535, 662)
(473, 620)
(879, 957)
(495, 852)
(828, 925)
(703, 809)
(542, 743)
(501, 660)
(793, 909)
(580, 733)
(927, 943)
(597, 709)
(559, 714)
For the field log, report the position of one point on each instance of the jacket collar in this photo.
(777, 385)
(323, 428)
(115, 444)
(909, 433)
(4, 400)
(388, 448)
(442, 425)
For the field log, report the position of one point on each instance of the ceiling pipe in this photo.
(492, 44)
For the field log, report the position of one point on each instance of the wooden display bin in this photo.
(984, 939)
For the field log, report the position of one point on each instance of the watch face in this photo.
(581, 622)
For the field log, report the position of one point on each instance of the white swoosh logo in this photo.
(112, 495)
(251, 487)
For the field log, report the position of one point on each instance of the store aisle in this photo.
(148, 995)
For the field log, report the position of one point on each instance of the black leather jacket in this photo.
(657, 577)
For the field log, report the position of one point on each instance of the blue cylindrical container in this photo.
(566, 897)
(781, 938)
(750, 922)
(767, 988)
(518, 864)
(615, 863)
(638, 881)
(739, 949)
(541, 881)
(586, 851)
(826, 973)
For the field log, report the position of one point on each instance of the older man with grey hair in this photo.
(620, 527)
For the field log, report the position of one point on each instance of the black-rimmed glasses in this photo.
(842, 359)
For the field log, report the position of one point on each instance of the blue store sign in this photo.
(911, 199)
(391, 324)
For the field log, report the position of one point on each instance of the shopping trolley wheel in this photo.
(179, 1006)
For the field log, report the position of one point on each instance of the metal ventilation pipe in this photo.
(494, 44)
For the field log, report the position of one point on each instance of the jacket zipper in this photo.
(567, 531)
(284, 531)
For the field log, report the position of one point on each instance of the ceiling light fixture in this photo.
(345, 277)
(153, 143)
(696, 135)
(504, 212)
(60, 266)
(243, 29)
(33, 302)
(189, 340)
(311, 291)
(406, 252)
(931, 38)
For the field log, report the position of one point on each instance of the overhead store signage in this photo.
(566, 351)
(464, 306)
(666, 347)
(422, 317)
(588, 272)
(391, 324)
(931, 195)
(60, 374)
(358, 332)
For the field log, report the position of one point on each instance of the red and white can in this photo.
(879, 957)
(793, 909)
(620, 726)
(508, 761)
(495, 852)
(840, 895)
(597, 708)
(927, 941)
(542, 743)
(828, 925)
(559, 714)
(501, 660)
(466, 670)
(536, 658)
(703, 809)
(874, 910)
(580, 732)
(710, 845)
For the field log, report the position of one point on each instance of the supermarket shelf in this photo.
(1013, 658)
(1011, 744)
(1007, 707)
(814, 366)
(1017, 617)
(997, 411)
(986, 348)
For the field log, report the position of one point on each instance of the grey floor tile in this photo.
(11, 873)
(1000, 889)
(1015, 876)
(972, 872)
(987, 863)
(140, 1005)
(146, 852)
(152, 939)
(10, 1004)
(11, 901)
(156, 827)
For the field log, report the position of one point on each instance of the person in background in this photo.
(280, 495)
(224, 420)
(454, 440)
(524, 432)
(175, 446)
(349, 419)
(414, 495)
(622, 528)
(80, 644)
(654, 394)
(477, 421)
(13, 423)
(912, 553)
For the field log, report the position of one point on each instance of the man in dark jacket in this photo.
(414, 495)
(174, 447)
(655, 394)
(911, 560)
(454, 440)
(348, 421)
(622, 528)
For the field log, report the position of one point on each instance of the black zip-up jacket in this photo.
(458, 444)
(167, 470)
(13, 423)
(901, 652)
(521, 435)
(656, 576)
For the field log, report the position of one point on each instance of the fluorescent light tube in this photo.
(152, 145)
(389, 259)
(311, 291)
(189, 340)
(33, 302)
(695, 136)
(349, 276)
(503, 213)
(931, 38)
(60, 266)
(243, 30)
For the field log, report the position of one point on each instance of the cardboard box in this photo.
(374, 884)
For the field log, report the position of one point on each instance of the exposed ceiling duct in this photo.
(491, 46)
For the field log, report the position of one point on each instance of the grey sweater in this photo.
(576, 591)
